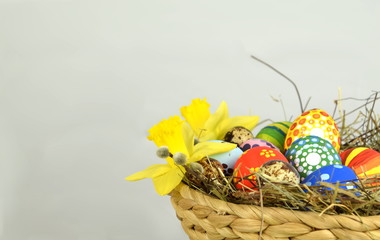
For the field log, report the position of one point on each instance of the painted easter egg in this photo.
(364, 161)
(310, 153)
(250, 162)
(275, 133)
(315, 122)
(238, 135)
(332, 174)
(352, 152)
(227, 159)
(255, 142)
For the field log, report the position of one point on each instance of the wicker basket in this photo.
(205, 217)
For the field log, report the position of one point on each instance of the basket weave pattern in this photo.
(204, 217)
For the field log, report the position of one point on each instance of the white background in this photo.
(81, 82)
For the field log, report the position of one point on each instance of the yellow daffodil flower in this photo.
(178, 137)
(207, 126)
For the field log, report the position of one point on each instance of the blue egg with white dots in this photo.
(332, 174)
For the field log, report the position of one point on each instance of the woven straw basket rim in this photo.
(205, 217)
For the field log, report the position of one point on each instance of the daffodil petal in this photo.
(165, 183)
(150, 172)
(248, 122)
(204, 149)
(169, 132)
(196, 114)
(188, 137)
(213, 122)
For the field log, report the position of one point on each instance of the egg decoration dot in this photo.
(251, 143)
(314, 122)
(325, 176)
(250, 162)
(238, 135)
(310, 153)
(364, 161)
(275, 133)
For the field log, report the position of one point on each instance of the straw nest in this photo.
(362, 200)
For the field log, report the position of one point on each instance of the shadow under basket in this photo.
(205, 217)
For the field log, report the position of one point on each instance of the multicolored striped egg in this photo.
(250, 162)
(364, 161)
(310, 153)
(315, 122)
(275, 133)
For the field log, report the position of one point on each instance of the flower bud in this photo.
(180, 158)
(163, 152)
(196, 167)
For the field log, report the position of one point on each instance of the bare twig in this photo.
(283, 75)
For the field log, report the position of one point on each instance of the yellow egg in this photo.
(315, 122)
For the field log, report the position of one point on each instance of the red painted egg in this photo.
(364, 161)
(250, 162)
(315, 122)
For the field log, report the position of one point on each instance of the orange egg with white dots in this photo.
(315, 122)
